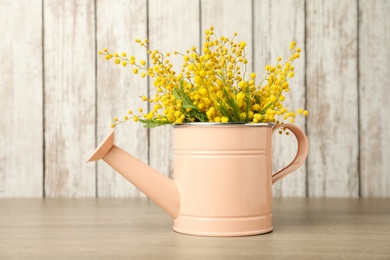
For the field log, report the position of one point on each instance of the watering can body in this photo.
(222, 177)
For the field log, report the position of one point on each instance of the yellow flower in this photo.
(177, 113)
(224, 119)
(214, 85)
(242, 44)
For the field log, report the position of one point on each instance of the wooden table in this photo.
(137, 229)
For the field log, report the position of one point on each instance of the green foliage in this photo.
(154, 123)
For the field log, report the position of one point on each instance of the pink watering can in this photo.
(222, 176)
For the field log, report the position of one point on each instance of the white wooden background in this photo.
(57, 96)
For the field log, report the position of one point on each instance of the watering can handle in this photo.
(302, 151)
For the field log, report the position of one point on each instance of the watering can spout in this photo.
(159, 188)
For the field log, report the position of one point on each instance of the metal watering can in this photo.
(222, 176)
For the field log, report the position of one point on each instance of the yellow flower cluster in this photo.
(212, 86)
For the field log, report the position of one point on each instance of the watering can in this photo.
(222, 176)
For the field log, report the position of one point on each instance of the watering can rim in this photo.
(230, 124)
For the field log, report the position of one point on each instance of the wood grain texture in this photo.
(332, 99)
(276, 24)
(69, 64)
(137, 229)
(374, 80)
(118, 89)
(229, 17)
(56, 100)
(21, 125)
(173, 25)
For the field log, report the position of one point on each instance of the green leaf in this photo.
(235, 116)
(176, 94)
(248, 102)
(265, 109)
(154, 123)
(198, 115)
(180, 94)
(223, 109)
(190, 106)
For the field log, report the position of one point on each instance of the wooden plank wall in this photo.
(57, 96)
(69, 97)
(117, 24)
(272, 36)
(21, 102)
(374, 81)
(332, 96)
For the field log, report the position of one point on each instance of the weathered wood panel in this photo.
(347, 57)
(173, 25)
(332, 100)
(276, 25)
(118, 89)
(21, 156)
(228, 17)
(374, 81)
(69, 74)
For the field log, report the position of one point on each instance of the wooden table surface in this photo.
(137, 229)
